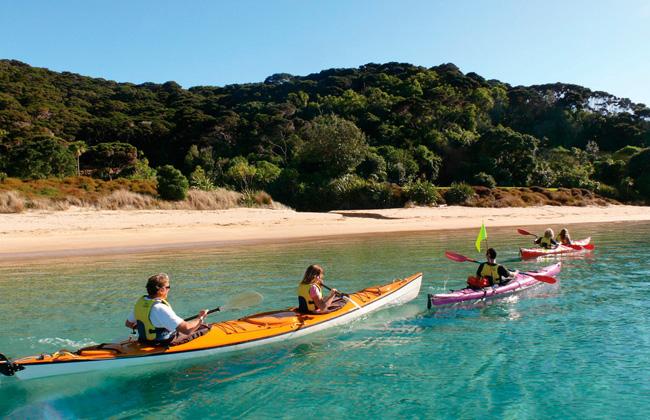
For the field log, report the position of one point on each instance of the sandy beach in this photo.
(77, 231)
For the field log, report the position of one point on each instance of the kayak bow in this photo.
(226, 336)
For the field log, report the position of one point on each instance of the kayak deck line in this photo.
(245, 332)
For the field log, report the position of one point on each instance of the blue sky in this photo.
(602, 45)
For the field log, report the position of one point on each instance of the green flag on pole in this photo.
(482, 235)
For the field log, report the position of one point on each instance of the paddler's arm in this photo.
(187, 327)
(323, 304)
(130, 321)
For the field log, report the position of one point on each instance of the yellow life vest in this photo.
(490, 271)
(305, 302)
(146, 330)
(546, 242)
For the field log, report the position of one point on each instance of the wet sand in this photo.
(80, 231)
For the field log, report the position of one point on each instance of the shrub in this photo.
(607, 191)
(200, 181)
(484, 180)
(3, 176)
(459, 193)
(423, 193)
(172, 185)
(252, 198)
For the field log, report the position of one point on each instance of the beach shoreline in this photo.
(36, 235)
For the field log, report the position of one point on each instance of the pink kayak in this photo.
(519, 283)
(576, 247)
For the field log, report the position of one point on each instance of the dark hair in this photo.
(311, 273)
(491, 253)
(156, 282)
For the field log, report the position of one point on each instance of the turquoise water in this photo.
(577, 349)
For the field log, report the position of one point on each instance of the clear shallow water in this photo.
(579, 349)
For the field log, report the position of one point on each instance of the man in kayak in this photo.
(547, 241)
(310, 292)
(495, 273)
(155, 320)
(563, 237)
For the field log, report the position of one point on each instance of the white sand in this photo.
(38, 234)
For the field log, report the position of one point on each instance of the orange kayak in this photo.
(227, 336)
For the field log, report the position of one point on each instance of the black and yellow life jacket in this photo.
(490, 271)
(546, 243)
(146, 330)
(305, 302)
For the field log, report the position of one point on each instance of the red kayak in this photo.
(582, 245)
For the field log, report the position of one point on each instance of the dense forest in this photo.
(374, 136)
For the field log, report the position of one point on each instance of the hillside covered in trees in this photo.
(374, 136)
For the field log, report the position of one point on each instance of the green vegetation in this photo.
(172, 185)
(375, 136)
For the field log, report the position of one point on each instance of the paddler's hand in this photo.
(203, 314)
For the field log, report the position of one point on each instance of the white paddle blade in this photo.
(243, 300)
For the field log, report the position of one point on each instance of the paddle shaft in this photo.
(217, 309)
(330, 289)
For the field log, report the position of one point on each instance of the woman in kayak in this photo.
(546, 241)
(563, 237)
(155, 320)
(493, 272)
(310, 291)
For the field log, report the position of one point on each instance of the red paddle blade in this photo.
(589, 247)
(525, 232)
(539, 277)
(455, 257)
(458, 258)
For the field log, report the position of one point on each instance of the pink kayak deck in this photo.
(519, 283)
(560, 249)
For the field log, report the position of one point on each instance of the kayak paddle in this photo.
(461, 258)
(330, 289)
(241, 301)
(525, 232)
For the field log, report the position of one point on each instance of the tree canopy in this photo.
(364, 127)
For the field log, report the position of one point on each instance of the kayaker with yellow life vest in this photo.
(155, 320)
(547, 241)
(496, 274)
(310, 291)
(563, 237)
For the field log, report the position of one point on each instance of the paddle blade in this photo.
(525, 232)
(539, 277)
(243, 300)
(457, 257)
(590, 247)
